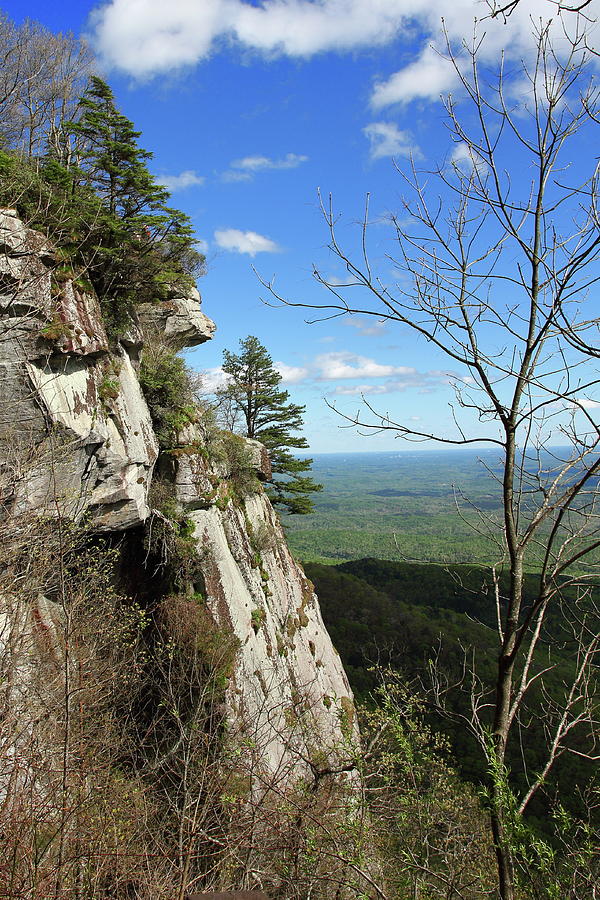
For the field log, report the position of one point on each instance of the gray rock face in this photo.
(77, 406)
(289, 699)
(179, 320)
(260, 459)
(77, 438)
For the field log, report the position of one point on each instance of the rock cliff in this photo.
(78, 443)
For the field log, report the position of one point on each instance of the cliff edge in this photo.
(81, 451)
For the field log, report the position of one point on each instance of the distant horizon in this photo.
(417, 449)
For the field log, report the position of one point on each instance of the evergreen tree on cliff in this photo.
(114, 164)
(255, 400)
(144, 246)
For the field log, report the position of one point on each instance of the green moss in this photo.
(291, 626)
(241, 473)
(258, 617)
(56, 329)
(108, 389)
(346, 715)
(223, 502)
(170, 539)
(194, 449)
(281, 647)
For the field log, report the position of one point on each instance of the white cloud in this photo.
(366, 326)
(358, 390)
(144, 37)
(255, 163)
(213, 379)
(291, 374)
(389, 379)
(426, 78)
(392, 386)
(464, 158)
(234, 175)
(388, 140)
(147, 37)
(186, 179)
(588, 404)
(244, 242)
(343, 364)
(245, 169)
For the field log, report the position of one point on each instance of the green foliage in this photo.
(262, 537)
(146, 247)
(241, 473)
(107, 217)
(258, 617)
(253, 397)
(430, 828)
(565, 865)
(404, 505)
(166, 385)
(108, 389)
(56, 329)
(415, 618)
(169, 540)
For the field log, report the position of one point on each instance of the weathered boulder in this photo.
(178, 319)
(260, 459)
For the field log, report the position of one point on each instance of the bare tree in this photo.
(501, 9)
(499, 273)
(42, 76)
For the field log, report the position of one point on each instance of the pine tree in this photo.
(114, 164)
(254, 396)
(143, 248)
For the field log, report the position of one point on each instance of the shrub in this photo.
(240, 470)
(166, 385)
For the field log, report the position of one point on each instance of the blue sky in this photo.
(249, 109)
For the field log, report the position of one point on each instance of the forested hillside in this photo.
(433, 625)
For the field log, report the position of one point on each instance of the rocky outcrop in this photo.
(73, 402)
(288, 697)
(178, 320)
(78, 439)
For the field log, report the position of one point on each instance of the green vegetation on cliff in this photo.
(103, 211)
(253, 402)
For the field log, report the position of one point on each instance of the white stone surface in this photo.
(116, 433)
(94, 452)
(78, 409)
(179, 319)
(289, 693)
